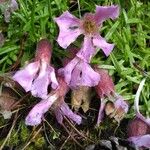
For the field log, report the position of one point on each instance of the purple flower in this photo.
(117, 108)
(121, 104)
(38, 75)
(141, 141)
(71, 27)
(139, 132)
(79, 73)
(37, 112)
(121, 108)
(60, 108)
(139, 128)
(104, 89)
(9, 6)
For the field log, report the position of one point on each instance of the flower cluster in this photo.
(40, 78)
(39, 75)
(78, 72)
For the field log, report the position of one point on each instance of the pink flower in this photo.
(104, 89)
(71, 27)
(38, 75)
(60, 108)
(139, 128)
(79, 73)
(139, 132)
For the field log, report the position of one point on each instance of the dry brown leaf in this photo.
(7, 100)
(81, 97)
(116, 113)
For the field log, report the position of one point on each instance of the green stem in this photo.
(32, 19)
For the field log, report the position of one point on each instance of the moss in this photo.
(24, 132)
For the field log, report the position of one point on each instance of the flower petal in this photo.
(101, 112)
(64, 110)
(105, 12)
(58, 115)
(84, 75)
(67, 70)
(105, 86)
(53, 79)
(69, 29)
(35, 115)
(87, 51)
(141, 141)
(25, 76)
(120, 103)
(101, 43)
(40, 84)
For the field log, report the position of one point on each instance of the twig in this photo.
(141, 70)
(72, 136)
(18, 102)
(65, 142)
(10, 131)
(47, 136)
(78, 131)
(49, 125)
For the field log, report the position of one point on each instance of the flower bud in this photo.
(105, 86)
(43, 50)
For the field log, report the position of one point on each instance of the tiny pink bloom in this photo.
(79, 73)
(71, 27)
(37, 76)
